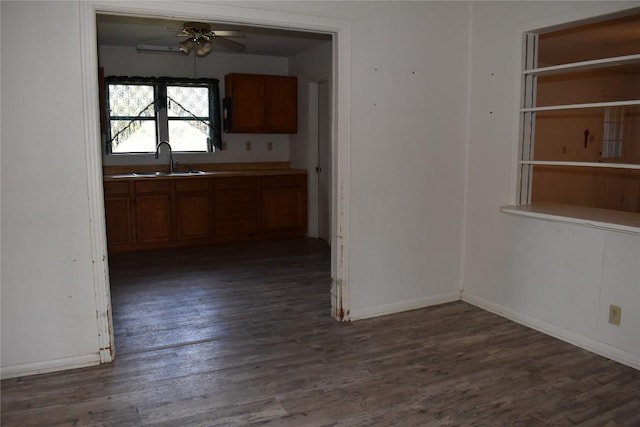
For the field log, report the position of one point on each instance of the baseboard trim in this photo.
(397, 307)
(597, 347)
(49, 366)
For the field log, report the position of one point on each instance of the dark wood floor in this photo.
(241, 334)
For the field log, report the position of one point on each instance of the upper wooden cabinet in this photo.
(258, 103)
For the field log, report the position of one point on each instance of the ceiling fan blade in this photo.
(228, 33)
(230, 44)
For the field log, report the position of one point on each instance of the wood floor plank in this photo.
(241, 334)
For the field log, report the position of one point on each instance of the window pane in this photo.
(617, 189)
(131, 100)
(139, 137)
(188, 135)
(612, 135)
(187, 101)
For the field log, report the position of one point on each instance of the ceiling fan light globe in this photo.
(186, 46)
(204, 46)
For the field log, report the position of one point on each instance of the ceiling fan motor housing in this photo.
(196, 30)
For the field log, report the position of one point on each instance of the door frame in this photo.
(341, 34)
(313, 153)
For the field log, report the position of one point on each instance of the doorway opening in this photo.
(332, 257)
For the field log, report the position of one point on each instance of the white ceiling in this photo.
(115, 30)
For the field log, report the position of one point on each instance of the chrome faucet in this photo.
(155, 156)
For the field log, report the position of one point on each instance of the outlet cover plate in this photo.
(615, 314)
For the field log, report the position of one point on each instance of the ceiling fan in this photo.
(200, 38)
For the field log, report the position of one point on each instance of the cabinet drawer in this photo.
(116, 187)
(236, 211)
(192, 185)
(236, 227)
(235, 182)
(155, 186)
(239, 196)
(283, 181)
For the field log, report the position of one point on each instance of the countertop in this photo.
(204, 174)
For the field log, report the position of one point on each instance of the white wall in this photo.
(48, 311)
(311, 67)
(407, 95)
(408, 115)
(123, 61)
(556, 277)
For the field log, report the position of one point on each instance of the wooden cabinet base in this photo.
(168, 213)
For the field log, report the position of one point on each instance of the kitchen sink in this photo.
(188, 173)
(157, 173)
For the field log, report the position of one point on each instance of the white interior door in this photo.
(323, 167)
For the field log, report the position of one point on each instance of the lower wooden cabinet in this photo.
(193, 209)
(165, 212)
(236, 207)
(284, 204)
(119, 214)
(153, 211)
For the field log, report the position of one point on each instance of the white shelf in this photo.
(581, 164)
(580, 106)
(626, 222)
(584, 65)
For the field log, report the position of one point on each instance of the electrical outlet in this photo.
(224, 146)
(615, 314)
(269, 146)
(248, 145)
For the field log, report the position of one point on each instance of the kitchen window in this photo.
(141, 112)
(580, 120)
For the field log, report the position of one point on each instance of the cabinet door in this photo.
(282, 209)
(247, 103)
(281, 104)
(153, 211)
(283, 202)
(193, 208)
(193, 215)
(236, 208)
(118, 215)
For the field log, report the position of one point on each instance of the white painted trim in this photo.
(93, 155)
(597, 347)
(312, 159)
(397, 307)
(50, 366)
(341, 30)
(340, 151)
(467, 153)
